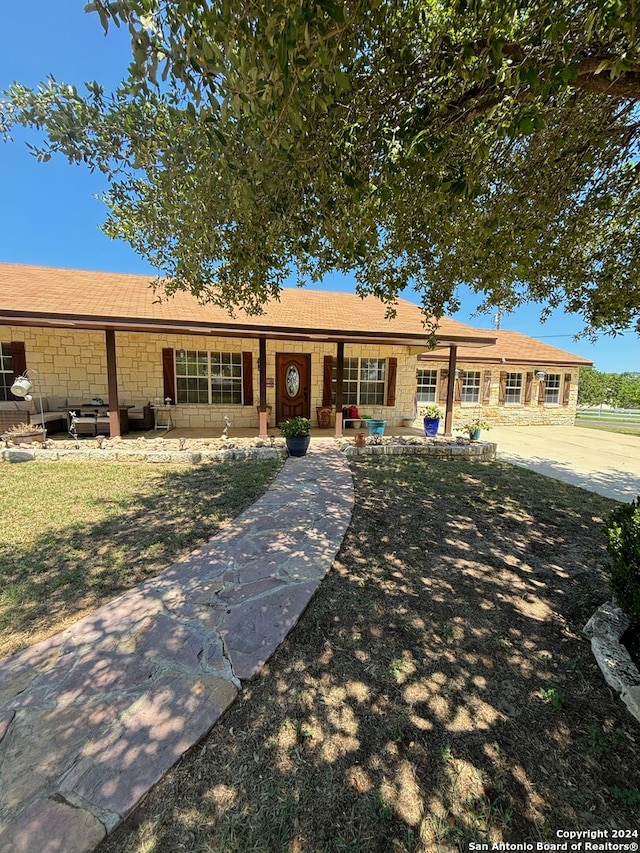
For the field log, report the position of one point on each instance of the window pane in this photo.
(372, 393)
(372, 381)
(6, 359)
(349, 382)
(513, 388)
(471, 386)
(552, 388)
(363, 382)
(427, 386)
(349, 393)
(226, 377)
(204, 378)
(6, 371)
(371, 370)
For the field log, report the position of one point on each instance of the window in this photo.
(427, 384)
(6, 372)
(226, 377)
(552, 388)
(208, 377)
(471, 386)
(513, 388)
(363, 382)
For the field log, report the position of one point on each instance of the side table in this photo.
(163, 417)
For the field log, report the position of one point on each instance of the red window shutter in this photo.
(486, 387)
(168, 374)
(327, 378)
(502, 392)
(247, 378)
(566, 389)
(19, 359)
(442, 390)
(528, 387)
(392, 367)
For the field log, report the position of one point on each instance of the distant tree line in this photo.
(616, 389)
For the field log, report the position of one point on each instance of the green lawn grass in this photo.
(609, 426)
(77, 535)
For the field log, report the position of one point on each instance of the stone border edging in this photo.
(139, 455)
(484, 451)
(605, 629)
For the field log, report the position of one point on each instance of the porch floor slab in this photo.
(248, 432)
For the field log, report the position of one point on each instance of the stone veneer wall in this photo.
(73, 364)
(512, 414)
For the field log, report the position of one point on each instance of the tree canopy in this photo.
(615, 389)
(420, 143)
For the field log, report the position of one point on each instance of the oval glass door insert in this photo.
(293, 381)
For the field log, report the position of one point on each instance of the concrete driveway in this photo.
(603, 462)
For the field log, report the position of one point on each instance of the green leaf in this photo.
(334, 10)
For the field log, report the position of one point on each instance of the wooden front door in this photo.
(293, 374)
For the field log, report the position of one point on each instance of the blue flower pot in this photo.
(297, 445)
(475, 435)
(431, 426)
(375, 427)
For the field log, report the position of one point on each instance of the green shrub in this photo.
(295, 427)
(623, 533)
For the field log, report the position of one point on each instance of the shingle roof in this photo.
(515, 348)
(49, 296)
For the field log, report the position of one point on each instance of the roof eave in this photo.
(245, 330)
(533, 362)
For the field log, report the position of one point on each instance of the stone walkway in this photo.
(92, 718)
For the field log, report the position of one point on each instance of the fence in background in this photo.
(604, 416)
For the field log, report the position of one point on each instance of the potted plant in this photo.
(472, 428)
(25, 433)
(431, 419)
(296, 433)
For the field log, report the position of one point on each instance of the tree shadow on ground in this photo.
(436, 691)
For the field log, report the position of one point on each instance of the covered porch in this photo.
(102, 335)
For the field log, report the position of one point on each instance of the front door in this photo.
(293, 373)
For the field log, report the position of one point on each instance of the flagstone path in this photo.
(93, 717)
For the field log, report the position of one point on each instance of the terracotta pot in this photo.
(323, 414)
(26, 437)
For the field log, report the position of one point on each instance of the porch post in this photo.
(112, 383)
(451, 382)
(339, 381)
(262, 362)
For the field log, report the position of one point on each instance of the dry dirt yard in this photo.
(437, 690)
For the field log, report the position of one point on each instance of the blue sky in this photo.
(49, 213)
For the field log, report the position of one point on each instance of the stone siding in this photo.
(73, 364)
(512, 414)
